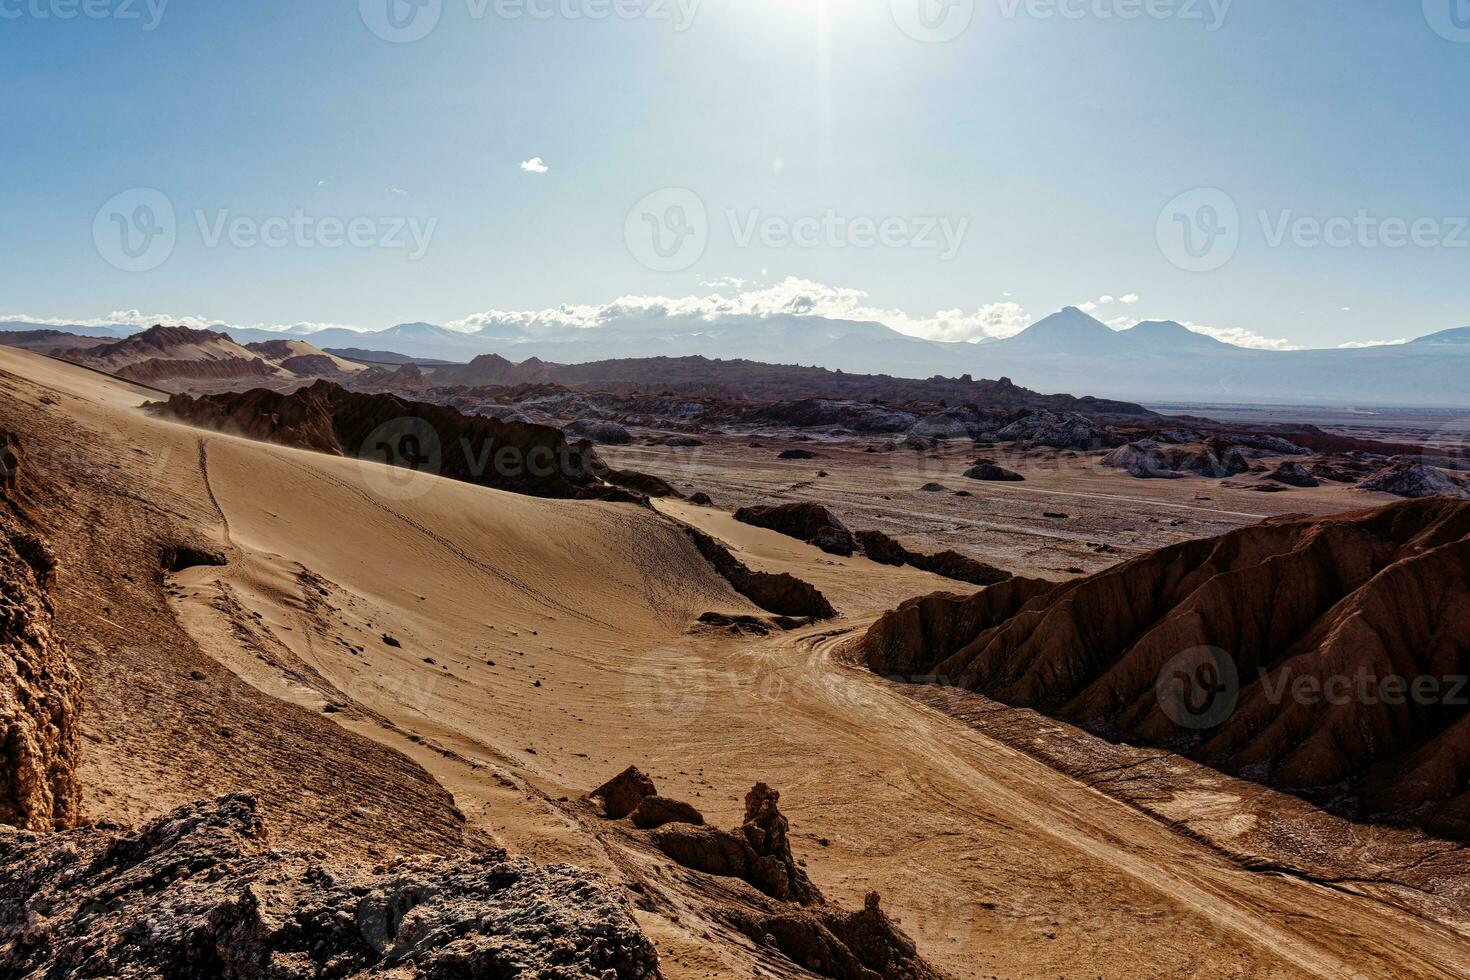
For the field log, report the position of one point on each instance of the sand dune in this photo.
(379, 640)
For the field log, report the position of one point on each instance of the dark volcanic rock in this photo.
(1270, 444)
(804, 521)
(882, 549)
(992, 473)
(516, 456)
(1293, 475)
(603, 433)
(783, 594)
(797, 454)
(1144, 460)
(40, 692)
(961, 568)
(1413, 480)
(1071, 431)
(200, 893)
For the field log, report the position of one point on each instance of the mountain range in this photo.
(1067, 351)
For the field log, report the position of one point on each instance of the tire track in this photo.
(209, 489)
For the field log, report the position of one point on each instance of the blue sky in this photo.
(1052, 142)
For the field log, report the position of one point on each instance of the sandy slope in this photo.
(997, 864)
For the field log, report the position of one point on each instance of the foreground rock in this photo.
(1287, 652)
(765, 893)
(201, 893)
(40, 690)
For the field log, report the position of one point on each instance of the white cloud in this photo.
(789, 297)
(1241, 337)
(1359, 344)
(398, 190)
(1130, 299)
(535, 165)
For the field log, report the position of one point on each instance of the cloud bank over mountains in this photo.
(797, 321)
(728, 302)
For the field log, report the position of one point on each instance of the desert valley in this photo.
(318, 665)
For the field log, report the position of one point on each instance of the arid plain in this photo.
(395, 663)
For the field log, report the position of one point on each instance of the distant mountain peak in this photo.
(1069, 330)
(1455, 335)
(1171, 335)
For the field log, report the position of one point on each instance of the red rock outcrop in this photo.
(1287, 652)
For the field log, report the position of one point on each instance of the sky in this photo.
(1276, 172)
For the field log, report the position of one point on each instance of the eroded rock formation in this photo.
(1286, 652)
(782, 910)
